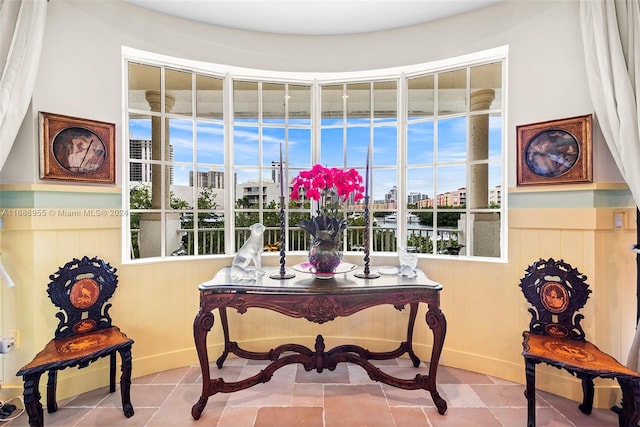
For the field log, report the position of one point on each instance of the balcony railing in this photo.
(421, 240)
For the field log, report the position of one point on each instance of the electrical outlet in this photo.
(15, 334)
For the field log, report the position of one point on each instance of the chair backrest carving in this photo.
(80, 290)
(556, 291)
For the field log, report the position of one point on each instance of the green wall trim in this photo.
(571, 199)
(58, 199)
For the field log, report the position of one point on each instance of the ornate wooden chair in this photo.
(557, 291)
(84, 334)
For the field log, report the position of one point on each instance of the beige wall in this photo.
(80, 75)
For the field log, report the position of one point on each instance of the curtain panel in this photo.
(611, 35)
(21, 30)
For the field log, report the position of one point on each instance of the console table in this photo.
(318, 301)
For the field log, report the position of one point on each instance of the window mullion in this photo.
(401, 154)
(229, 173)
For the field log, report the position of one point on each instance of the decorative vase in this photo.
(325, 254)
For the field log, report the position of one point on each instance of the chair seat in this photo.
(574, 355)
(77, 350)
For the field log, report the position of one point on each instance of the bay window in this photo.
(207, 144)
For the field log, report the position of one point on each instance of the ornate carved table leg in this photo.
(413, 312)
(201, 326)
(125, 381)
(225, 332)
(32, 399)
(438, 324)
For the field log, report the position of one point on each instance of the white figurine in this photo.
(408, 263)
(250, 252)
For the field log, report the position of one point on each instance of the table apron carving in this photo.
(318, 305)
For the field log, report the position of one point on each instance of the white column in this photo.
(485, 227)
(151, 226)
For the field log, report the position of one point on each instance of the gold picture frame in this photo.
(76, 149)
(555, 152)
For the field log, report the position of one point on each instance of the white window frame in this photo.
(239, 73)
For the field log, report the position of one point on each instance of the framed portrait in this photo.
(75, 149)
(555, 152)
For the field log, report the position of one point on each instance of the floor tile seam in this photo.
(426, 416)
(495, 417)
(77, 423)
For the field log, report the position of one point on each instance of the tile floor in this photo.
(344, 397)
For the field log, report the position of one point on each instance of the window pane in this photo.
(209, 97)
(149, 243)
(452, 140)
(385, 142)
(420, 232)
(332, 105)
(299, 105)
(181, 192)
(478, 197)
(420, 188)
(486, 234)
(420, 143)
(140, 149)
(495, 185)
(449, 239)
(140, 196)
(210, 185)
(245, 101)
(331, 151)
(180, 140)
(495, 136)
(249, 192)
(385, 189)
(245, 145)
(358, 103)
(272, 139)
(178, 91)
(385, 102)
(273, 103)
(143, 79)
(420, 97)
(486, 80)
(357, 143)
(298, 239)
(299, 148)
(210, 233)
(452, 92)
(210, 142)
(140, 128)
(451, 191)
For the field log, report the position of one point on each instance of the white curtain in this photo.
(611, 34)
(21, 29)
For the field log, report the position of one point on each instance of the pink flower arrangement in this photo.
(320, 182)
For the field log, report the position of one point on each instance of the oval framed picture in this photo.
(555, 152)
(75, 149)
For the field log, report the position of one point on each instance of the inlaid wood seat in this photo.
(84, 334)
(557, 292)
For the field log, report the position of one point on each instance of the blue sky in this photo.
(420, 143)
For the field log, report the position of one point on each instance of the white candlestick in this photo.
(281, 174)
(366, 174)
